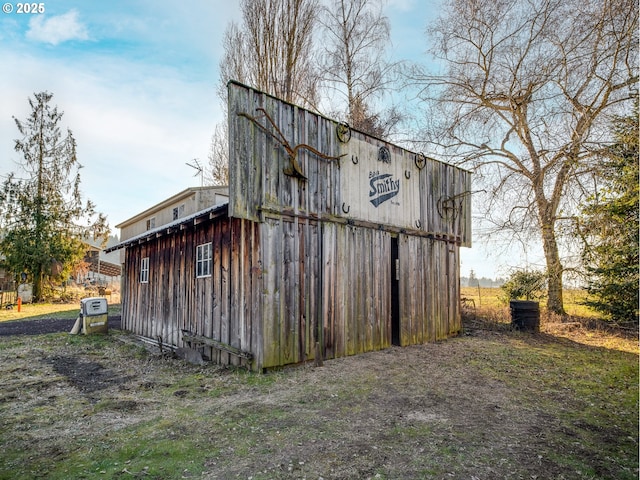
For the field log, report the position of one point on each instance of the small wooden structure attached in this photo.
(332, 243)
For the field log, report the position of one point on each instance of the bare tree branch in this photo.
(525, 97)
(354, 63)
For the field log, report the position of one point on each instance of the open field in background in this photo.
(492, 297)
(580, 325)
(487, 305)
(491, 403)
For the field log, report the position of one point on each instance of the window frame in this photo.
(204, 260)
(178, 212)
(144, 270)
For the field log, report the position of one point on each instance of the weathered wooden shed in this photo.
(332, 243)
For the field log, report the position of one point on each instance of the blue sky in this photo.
(136, 81)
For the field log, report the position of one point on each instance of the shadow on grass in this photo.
(555, 328)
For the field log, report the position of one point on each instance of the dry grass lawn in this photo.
(491, 403)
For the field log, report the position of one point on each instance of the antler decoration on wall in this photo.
(294, 169)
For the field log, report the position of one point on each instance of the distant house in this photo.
(331, 243)
(100, 267)
(6, 281)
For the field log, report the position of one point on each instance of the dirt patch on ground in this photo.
(489, 404)
(85, 375)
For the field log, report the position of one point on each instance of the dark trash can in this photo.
(525, 315)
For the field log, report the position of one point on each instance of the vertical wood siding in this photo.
(257, 178)
(348, 308)
(292, 264)
(343, 309)
(433, 197)
(429, 290)
(222, 306)
(280, 286)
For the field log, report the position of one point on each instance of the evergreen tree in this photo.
(611, 228)
(44, 218)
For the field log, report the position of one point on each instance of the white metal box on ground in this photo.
(94, 315)
(25, 292)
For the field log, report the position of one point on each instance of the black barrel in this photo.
(525, 315)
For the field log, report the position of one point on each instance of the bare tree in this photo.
(272, 49)
(524, 98)
(234, 65)
(355, 66)
(217, 170)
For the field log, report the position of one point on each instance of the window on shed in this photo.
(151, 223)
(203, 260)
(144, 270)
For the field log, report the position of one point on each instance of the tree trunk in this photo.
(37, 285)
(547, 209)
(39, 214)
(555, 301)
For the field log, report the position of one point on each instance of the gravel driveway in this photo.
(46, 325)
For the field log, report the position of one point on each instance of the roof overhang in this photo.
(210, 213)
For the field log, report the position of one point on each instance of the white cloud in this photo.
(135, 125)
(57, 29)
(139, 97)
